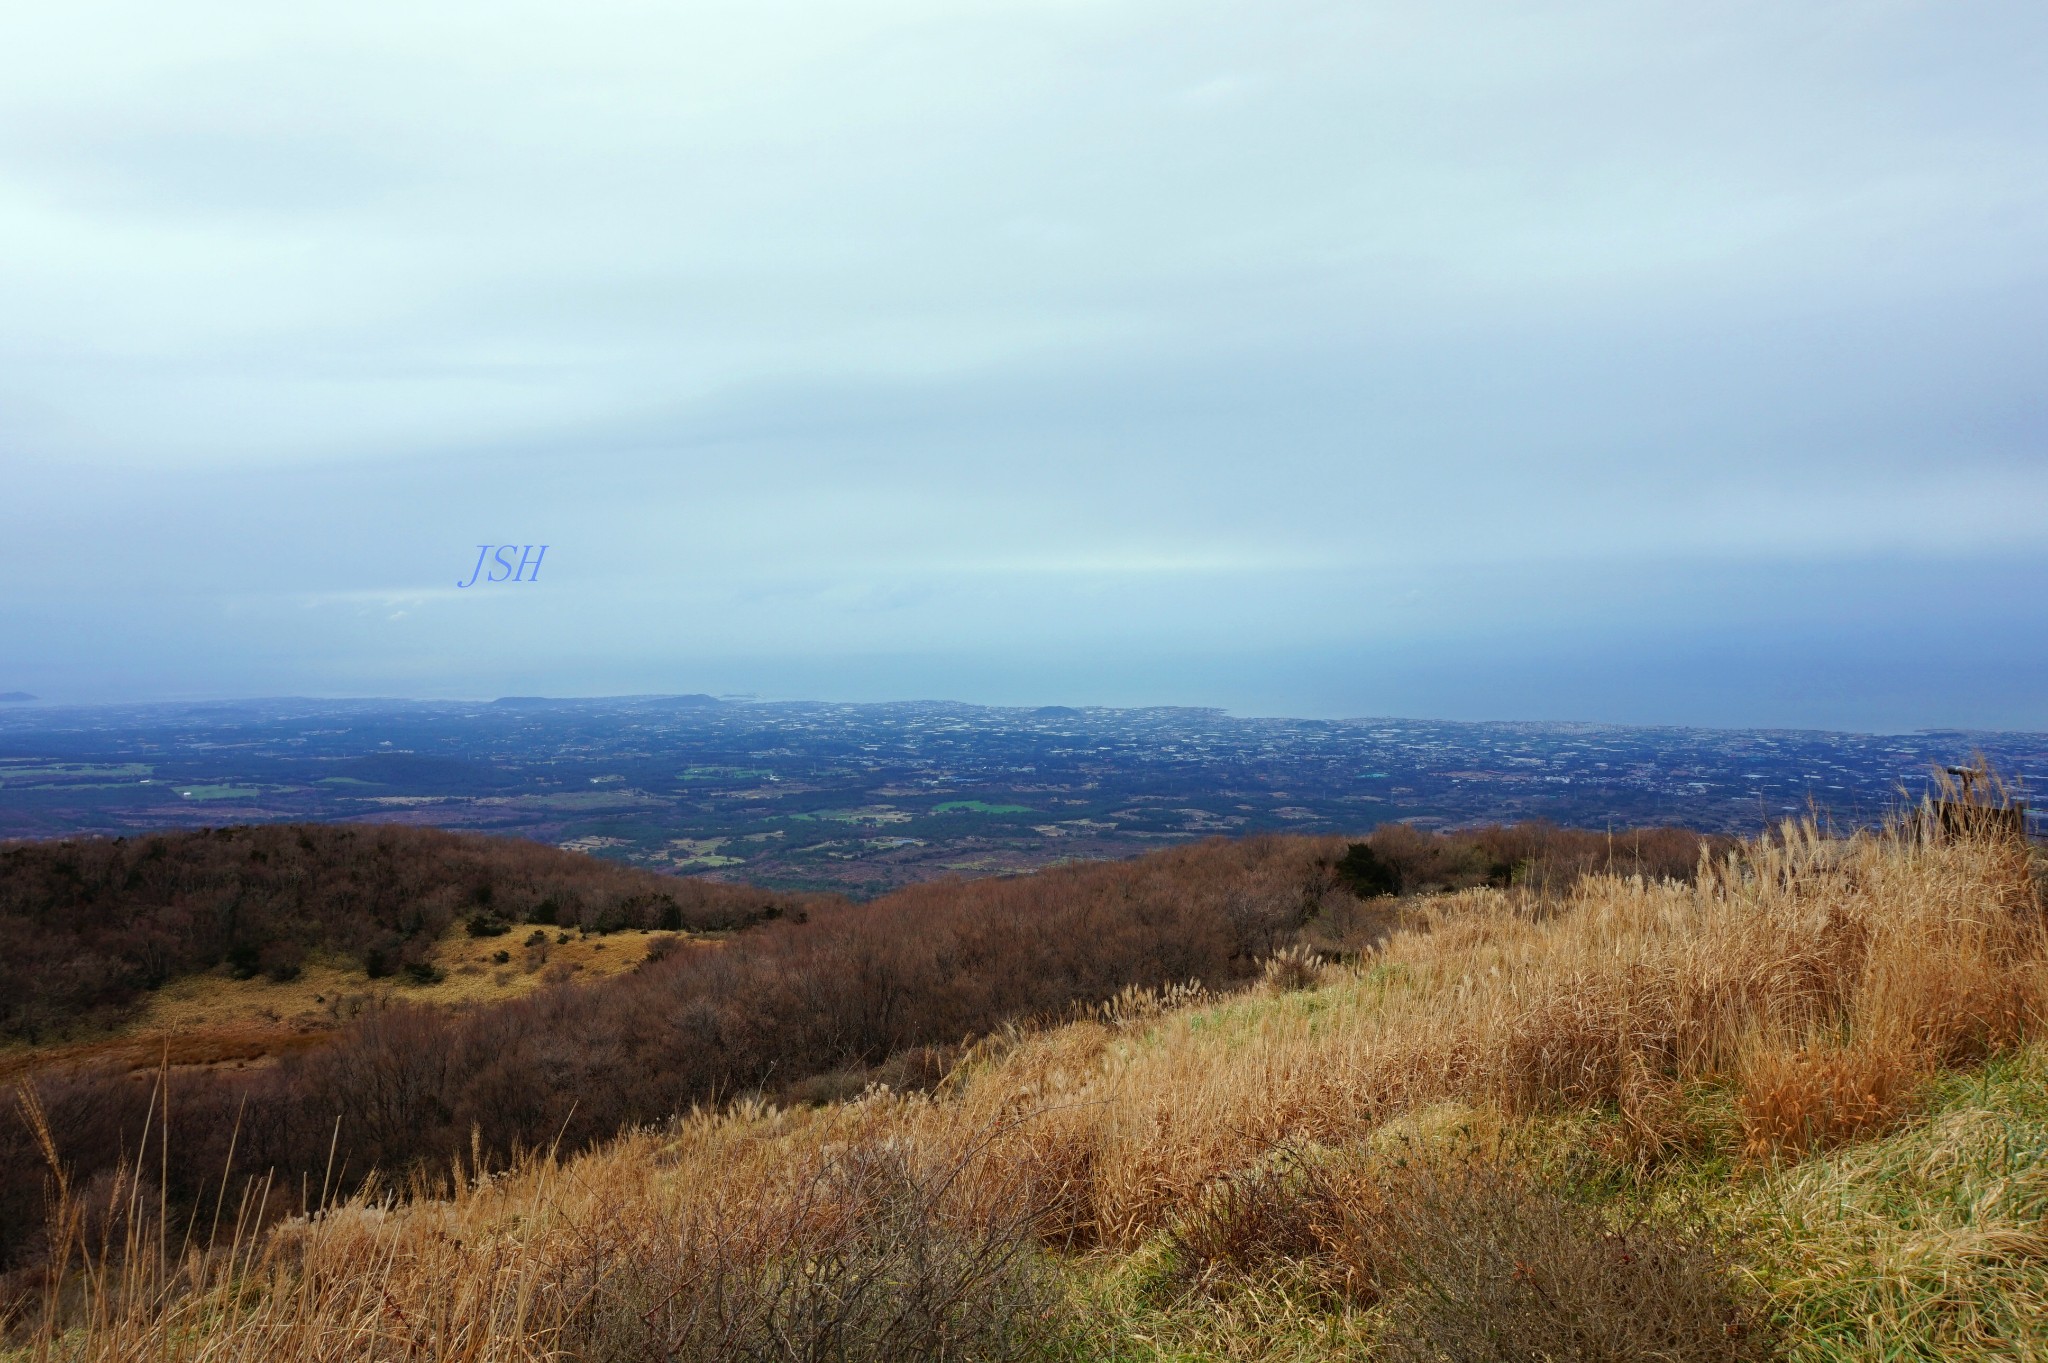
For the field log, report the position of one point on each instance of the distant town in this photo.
(862, 798)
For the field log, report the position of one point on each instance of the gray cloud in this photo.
(922, 331)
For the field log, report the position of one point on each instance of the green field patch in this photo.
(44, 771)
(979, 807)
(219, 792)
(345, 781)
(723, 774)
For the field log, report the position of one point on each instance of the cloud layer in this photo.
(1259, 354)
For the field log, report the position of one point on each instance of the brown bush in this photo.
(1474, 1258)
(1537, 855)
(1480, 1263)
(864, 1263)
(1279, 1213)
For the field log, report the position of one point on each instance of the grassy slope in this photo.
(1930, 1242)
(1831, 1054)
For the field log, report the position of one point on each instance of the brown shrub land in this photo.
(94, 926)
(1408, 1139)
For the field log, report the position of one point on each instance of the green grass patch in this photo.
(1931, 1243)
(219, 792)
(979, 807)
(1134, 1314)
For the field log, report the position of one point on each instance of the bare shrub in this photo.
(1480, 1263)
(661, 948)
(1346, 927)
(1281, 1212)
(1536, 855)
(1475, 1259)
(865, 1262)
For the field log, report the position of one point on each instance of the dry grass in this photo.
(1910, 957)
(1824, 985)
(820, 1227)
(471, 974)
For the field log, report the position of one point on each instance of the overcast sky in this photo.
(1633, 361)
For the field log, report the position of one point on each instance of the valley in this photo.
(861, 799)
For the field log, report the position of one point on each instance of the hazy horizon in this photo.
(17, 704)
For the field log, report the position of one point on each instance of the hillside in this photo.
(96, 927)
(1798, 1108)
(815, 1002)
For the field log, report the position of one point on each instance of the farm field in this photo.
(864, 799)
